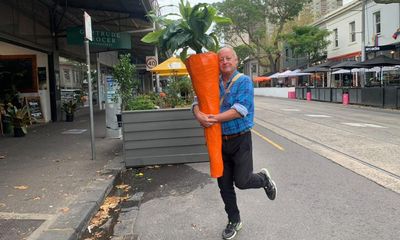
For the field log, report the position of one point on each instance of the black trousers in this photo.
(238, 171)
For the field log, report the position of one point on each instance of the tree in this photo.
(250, 19)
(125, 75)
(308, 40)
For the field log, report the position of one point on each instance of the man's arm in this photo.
(205, 120)
(226, 116)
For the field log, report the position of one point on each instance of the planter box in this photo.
(164, 136)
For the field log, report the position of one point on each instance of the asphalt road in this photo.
(330, 186)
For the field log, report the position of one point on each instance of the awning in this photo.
(173, 66)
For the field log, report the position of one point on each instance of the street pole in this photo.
(90, 99)
(88, 36)
(363, 30)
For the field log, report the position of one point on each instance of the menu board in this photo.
(35, 109)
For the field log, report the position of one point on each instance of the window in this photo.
(335, 37)
(352, 30)
(67, 76)
(377, 22)
(287, 54)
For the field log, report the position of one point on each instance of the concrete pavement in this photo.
(49, 186)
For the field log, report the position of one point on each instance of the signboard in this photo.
(34, 108)
(151, 62)
(103, 39)
(380, 48)
(88, 26)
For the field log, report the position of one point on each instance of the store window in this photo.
(335, 37)
(377, 22)
(18, 73)
(352, 30)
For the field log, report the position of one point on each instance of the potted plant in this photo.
(189, 31)
(19, 119)
(69, 107)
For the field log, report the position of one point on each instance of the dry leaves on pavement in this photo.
(21, 187)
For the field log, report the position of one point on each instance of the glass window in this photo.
(377, 22)
(335, 37)
(352, 29)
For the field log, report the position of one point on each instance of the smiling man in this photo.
(236, 117)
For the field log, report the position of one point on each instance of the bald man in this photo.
(236, 118)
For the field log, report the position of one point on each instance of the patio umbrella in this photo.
(316, 69)
(173, 66)
(380, 61)
(341, 71)
(347, 65)
(261, 79)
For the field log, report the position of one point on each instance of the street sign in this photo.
(151, 62)
(88, 26)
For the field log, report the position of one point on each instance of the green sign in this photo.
(102, 39)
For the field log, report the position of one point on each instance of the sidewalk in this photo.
(49, 186)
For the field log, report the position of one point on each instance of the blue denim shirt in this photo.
(241, 98)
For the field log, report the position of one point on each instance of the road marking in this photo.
(364, 125)
(317, 116)
(268, 140)
(291, 110)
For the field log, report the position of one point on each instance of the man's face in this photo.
(227, 61)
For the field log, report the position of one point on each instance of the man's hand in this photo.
(205, 120)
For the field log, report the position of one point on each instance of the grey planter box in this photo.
(164, 136)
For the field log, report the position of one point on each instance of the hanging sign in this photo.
(88, 26)
(103, 39)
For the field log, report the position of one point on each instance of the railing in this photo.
(385, 97)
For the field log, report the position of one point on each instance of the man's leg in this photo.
(225, 184)
(243, 163)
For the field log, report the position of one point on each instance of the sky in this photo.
(166, 10)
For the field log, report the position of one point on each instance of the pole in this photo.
(99, 83)
(363, 31)
(90, 99)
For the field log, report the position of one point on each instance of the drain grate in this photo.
(17, 229)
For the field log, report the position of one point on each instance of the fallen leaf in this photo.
(139, 175)
(21, 187)
(36, 198)
(2, 204)
(2, 157)
(64, 210)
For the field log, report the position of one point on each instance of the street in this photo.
(336, 168)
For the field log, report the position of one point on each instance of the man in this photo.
(236, 117)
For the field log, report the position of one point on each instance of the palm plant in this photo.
(20, 119)
(189, 31)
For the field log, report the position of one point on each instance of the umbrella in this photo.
(172, 66)
(341, 71)
(347, 65)
(380, 61)
(275, 75)
(261, 79)
(315, 69)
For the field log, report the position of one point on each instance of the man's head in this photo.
(228, 61)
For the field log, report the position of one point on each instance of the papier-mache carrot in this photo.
(204, 73)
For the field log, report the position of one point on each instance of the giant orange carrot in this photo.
(204, 72)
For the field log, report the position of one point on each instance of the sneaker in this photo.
(231, 230)
(270, 189)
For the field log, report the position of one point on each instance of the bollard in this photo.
(308, 96)
(345, 98)
(292, 95)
